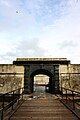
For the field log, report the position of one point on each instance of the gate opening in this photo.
(37, 81)
(40, 83)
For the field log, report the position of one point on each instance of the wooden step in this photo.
(43, 109)
(43, 118)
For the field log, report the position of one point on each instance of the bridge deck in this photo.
(42, 107)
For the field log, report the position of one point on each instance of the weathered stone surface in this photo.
(40, 59)
(65, 75)
(11, 77)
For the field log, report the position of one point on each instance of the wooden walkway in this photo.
(42, 107)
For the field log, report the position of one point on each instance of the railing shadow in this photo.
(71, 99)
(9, 101)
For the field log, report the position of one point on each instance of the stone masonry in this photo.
(12, 76)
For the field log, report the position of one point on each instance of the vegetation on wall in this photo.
(71, 80)
(9, 82)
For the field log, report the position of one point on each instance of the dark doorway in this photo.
(47, 86)
(40, 83)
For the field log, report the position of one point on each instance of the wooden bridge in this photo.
(39, 106)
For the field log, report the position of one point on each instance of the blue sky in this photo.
(39, 28)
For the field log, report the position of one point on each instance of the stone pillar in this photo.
(56, 78)
(27, 79)
(53, 85)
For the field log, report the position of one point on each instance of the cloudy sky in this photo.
(39, 28)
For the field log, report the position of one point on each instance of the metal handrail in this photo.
(70, 90)
(71, 98)
(9, 99)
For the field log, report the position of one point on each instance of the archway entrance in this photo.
(40, 83)
(46, 66)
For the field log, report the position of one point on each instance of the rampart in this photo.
(12, 76)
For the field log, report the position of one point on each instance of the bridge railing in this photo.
(72, 99)
(9, 100)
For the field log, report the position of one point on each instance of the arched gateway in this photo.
(46, 66)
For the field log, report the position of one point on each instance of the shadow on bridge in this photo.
(18, 106)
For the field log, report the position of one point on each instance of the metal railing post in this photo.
(3, 98)
(2, 114)
(22, 93)
(73, 100)
(66, 96)
(18, 95)
(13, 100)
(62, 92)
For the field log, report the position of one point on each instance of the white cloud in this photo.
(62, 38)
(22, 48)
(56, 24)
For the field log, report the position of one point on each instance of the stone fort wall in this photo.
(70, 76)
(12, 76)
